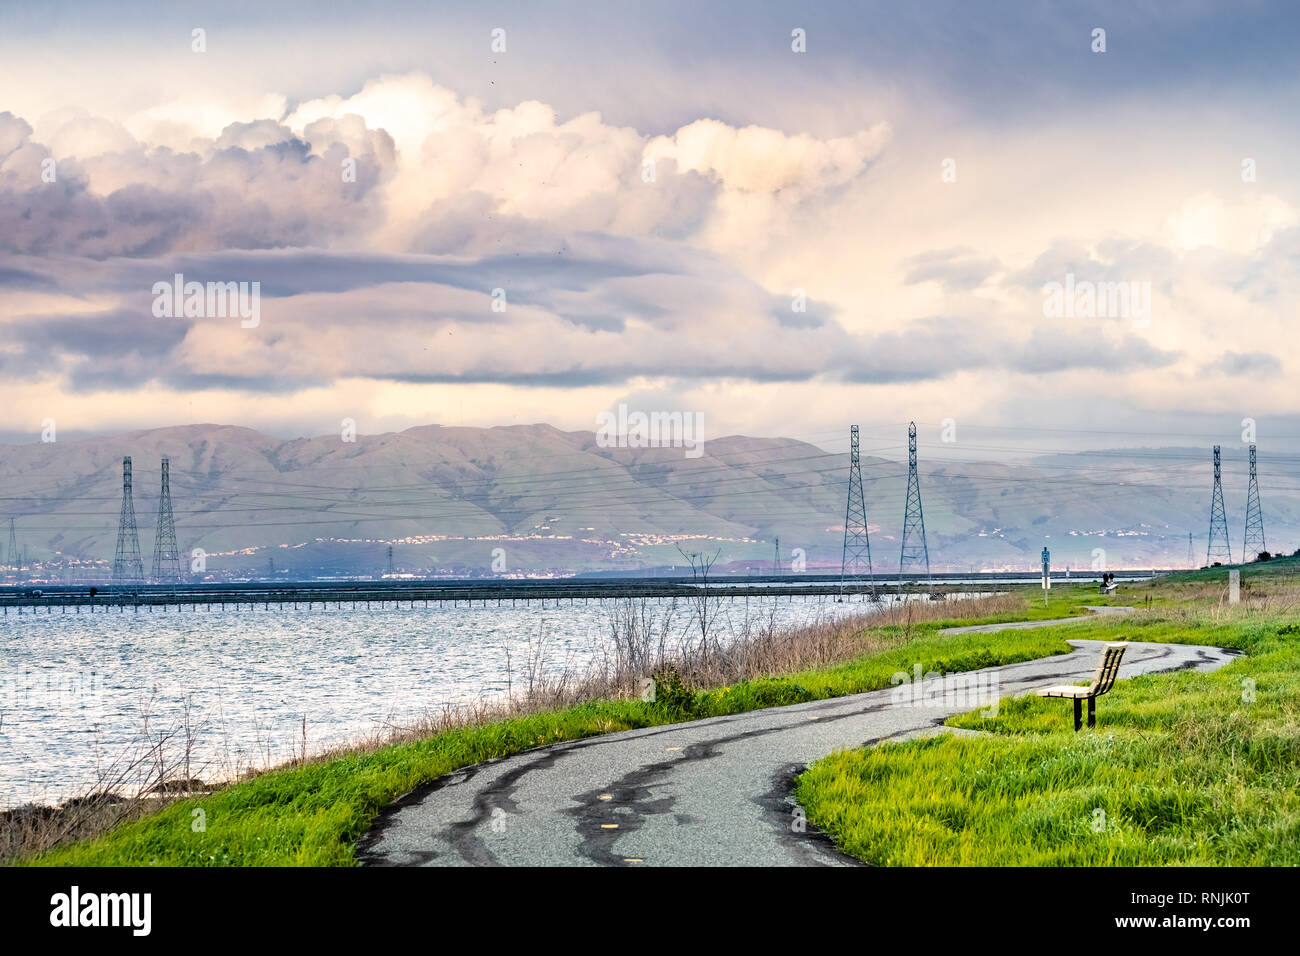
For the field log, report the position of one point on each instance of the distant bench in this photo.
(1101, 684)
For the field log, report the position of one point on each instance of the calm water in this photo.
(79, 691)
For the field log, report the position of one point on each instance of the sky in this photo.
(680, 212)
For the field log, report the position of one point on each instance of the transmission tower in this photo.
(13, 546)
(776, 557)
(1254, 543)
(390, 559)
(857, 546)
(1218, 545)
(127, 566)
(913, 519)
(1191, 555)
(166, 556)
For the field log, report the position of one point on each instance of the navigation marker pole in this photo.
(1047, 574)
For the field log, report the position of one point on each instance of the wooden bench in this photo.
(1101, 684)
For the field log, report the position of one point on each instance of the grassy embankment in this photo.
(1186, 768)
(313, 814)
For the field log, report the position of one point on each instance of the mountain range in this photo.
(536, 500)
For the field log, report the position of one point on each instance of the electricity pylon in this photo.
(13, 546)
(913, 518)
(1254, 542)
(776, 556)
(166, 556)
(857, 545)
(1218, 545)
(127, 566)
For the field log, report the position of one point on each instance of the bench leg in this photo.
(1092, 711)
(1078, 713)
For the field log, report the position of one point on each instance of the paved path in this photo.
(710, 792)
(1100, 610)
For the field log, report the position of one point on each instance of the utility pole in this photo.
(857, 545)
(1254, 543)
(1218, 545)
(166, 555)
(127, 566)
(913, 518)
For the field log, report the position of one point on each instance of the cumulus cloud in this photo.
(623, 256)
(468, 177)
(434, 173)
(256, 186)
(1240, 226)
(754, 159)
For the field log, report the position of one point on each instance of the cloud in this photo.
(957, 270)
(1239, 226)
(669, 277)
(759, 160)
(610, 311)
(1056, 351)
(257, 186)
(1245, 363)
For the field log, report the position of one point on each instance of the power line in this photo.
(1254, 541)
(1218, 545)
(127, 566)
(913, 516)
(857, 544)
(166, 556)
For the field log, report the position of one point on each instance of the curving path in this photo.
(711, 792)
(1100, 610)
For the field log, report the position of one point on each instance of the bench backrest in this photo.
(1108, 668)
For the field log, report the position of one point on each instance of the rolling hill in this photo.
(446, 498)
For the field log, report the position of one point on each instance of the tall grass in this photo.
(1187, 769)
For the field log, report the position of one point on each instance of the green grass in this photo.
(313, 815)
(1182, 769)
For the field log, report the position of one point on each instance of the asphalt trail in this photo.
(714, 792)
(1100, 610)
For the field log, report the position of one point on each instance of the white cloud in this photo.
(1240, 227)
(754, 159)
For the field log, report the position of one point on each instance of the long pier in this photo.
(468, 592)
